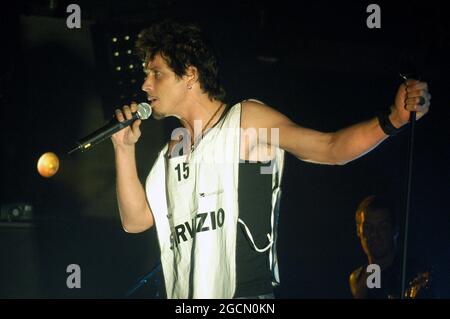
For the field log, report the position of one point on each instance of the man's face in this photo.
(376, 233)
(164, 89)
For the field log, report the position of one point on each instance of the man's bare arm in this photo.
(135, 212)
(342, 146)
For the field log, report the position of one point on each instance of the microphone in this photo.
(144, 110)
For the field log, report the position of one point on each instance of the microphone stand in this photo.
(412, 120)
(143, 280)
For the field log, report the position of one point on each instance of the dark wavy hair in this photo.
(181, 46)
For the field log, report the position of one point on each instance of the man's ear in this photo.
(191, 76)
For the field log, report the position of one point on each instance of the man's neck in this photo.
(198, 112)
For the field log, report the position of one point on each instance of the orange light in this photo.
(48, 164)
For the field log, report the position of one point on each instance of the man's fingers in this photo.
(136, 124)
(424, 110)
(135, 128)
(126, 110)
(414, 86)
(119, 115)
(411, 82)
(133, 107)
(419, 104)
(417, 98)
(417, 93)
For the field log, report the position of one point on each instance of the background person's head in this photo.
(376, 226)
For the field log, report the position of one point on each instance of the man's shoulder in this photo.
(250, 109)
(253, 105)
(356, 274)
(256, 114)
(357, 282)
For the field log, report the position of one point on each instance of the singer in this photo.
(217, 221)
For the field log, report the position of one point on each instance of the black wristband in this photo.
(386, 124)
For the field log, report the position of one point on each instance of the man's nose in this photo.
(147, 85)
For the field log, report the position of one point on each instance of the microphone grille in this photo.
(144, 110)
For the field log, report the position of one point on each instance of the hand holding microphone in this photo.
(131, 134)
(124, 128)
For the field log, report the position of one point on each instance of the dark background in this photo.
(317, 62)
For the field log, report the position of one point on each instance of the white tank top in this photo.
(194, 200)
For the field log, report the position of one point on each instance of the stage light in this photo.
(48, 164)
(114, 39)
(124, 67)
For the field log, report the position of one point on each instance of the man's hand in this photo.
(411, 96)
(129, 135)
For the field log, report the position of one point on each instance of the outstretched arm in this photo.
(342, 146)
